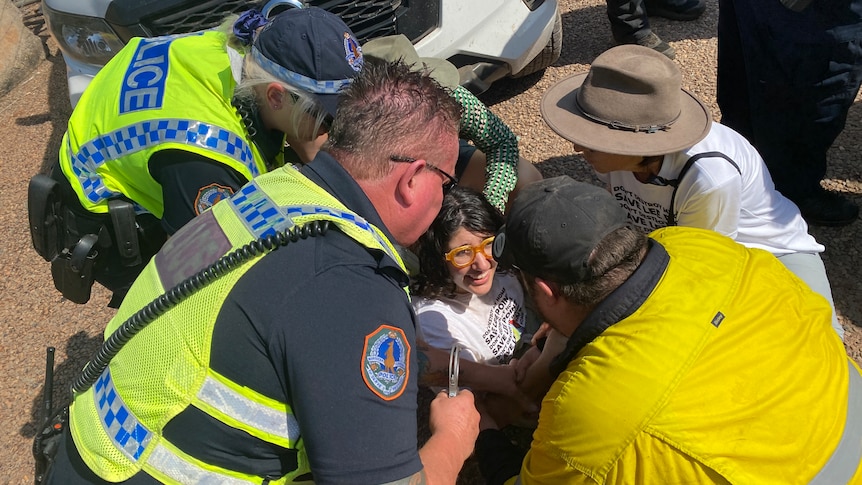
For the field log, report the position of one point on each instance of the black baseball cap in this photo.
(311, 49)
(553, 227)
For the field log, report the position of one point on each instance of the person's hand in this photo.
(498, 411)
(542, 332)
(533, 369)
(521, 365)
(502, 380)
(307, 149)
(555, 344)
(457, 419)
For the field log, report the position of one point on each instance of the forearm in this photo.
(487, 378)
(434, 372)
(454, 423)
(441, 460)
(433, 365)
(500, 179)
(538, 378)
(493, 138)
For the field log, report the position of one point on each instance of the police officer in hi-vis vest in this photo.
(294, 359)
(174, 124)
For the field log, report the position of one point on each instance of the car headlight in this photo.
(86, 39)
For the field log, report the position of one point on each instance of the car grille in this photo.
(367, 18)
(202, 15)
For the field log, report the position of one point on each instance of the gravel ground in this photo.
(32, 120)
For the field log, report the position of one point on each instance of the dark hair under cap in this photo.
(553, 227)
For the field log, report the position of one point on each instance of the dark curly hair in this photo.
(462, 207)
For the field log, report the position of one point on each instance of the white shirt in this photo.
(486, 328)
(713, 195)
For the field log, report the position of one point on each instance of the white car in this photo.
(486, 39)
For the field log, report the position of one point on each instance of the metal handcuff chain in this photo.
(454, 370)
(184, 290)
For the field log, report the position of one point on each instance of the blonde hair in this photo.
(254, 76)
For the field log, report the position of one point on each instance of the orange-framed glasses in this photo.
(463, 256)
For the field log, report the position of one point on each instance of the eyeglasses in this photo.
(325, 122)
(451, 180)
(463, 256)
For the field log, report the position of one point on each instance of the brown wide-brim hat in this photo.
(394, 47)
(630, 102)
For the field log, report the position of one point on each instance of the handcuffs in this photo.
(454, 369)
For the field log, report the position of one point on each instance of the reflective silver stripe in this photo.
(244, 410)
(846, 458)
(263, 217)
(325, 86)
(122, 427)
(131, 438)
(165, 461)
(518, 480)
(141, 136)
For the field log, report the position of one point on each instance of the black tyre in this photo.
(549, 54)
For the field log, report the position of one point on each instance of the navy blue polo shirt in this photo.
(191, 183)
(324, 325)
(302, 326)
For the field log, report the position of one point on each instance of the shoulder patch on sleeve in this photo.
(209, 195)
(385, 362)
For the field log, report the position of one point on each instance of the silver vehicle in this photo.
(486, 39)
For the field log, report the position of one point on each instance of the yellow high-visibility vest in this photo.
(159, 93)
(117, 423)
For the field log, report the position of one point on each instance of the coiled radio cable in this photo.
(186, 288)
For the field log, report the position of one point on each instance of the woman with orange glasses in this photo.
(461, 298)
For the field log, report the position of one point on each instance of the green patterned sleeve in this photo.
(500, 146)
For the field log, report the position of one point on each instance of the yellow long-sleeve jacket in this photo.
(720, 367)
